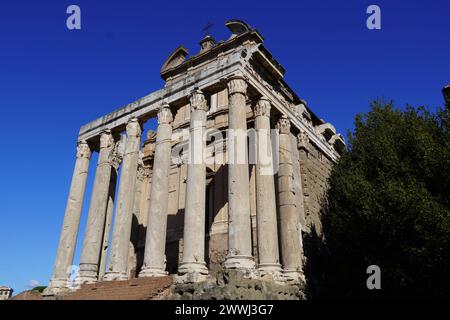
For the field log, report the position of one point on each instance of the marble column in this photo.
(298, 187)
(239, 224)
(108, 223)
(68, 238)
(116, 159)
(303, 147)
(266, 212)
(193, 266)
(120, 244)
(93, 238)
(290, 229)
(155, 240)
(136, 222)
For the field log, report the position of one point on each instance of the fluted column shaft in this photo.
(239, 223)
(266, 212)
(93, 239)
(118, 259)
(193, 264)
(69, 232)
(290, 229)
(155, 241)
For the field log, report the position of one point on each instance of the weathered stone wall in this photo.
(315, 169)
(232, 285)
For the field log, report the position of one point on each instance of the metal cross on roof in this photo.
(207, 28)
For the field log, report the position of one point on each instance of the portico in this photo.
(192, 214)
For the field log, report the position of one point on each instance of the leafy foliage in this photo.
(39, 288)
(389, 205)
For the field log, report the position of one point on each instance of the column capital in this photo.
(116, 156)
(151, 136)
(165, 114)
(106, 139)
(302, 140)
(134, 128)
(140, 172)
(147, 172)
(198, 101)
(237, 84)
(262, 107)
(284, 125)
(83, 150)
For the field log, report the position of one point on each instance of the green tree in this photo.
(389, 205)
(39, 288)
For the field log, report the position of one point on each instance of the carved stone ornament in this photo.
(106, 139)
(141, 172)
(198, 101)
(115, 156)
(284, 125)
(151, 136)
(116, 160)
(83, 150)
(147, 172)
(165, 115)
(302, 140)
(262, 108)
(237, 84)
(134, 128)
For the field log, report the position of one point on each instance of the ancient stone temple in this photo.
(232, 178)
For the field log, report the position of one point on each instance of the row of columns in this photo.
(270, 232)
(93, 239)
(118, 256)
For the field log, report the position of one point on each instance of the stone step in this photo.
(134, 289)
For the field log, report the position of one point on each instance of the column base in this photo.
(191, 272)
(294, 277)
(243, 263)
(84, 279)
(115, 276)
(187, 267)
(152, 272)
(271, 271)
(190, 277)
(88, 273)
(55, 287)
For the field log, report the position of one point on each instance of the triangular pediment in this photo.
(175, 59)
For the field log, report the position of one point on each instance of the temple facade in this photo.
(231, 178)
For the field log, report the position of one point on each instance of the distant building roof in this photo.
(5, 287)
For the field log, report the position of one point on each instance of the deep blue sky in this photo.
(53, 80)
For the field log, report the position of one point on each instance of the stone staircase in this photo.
(134, 289)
